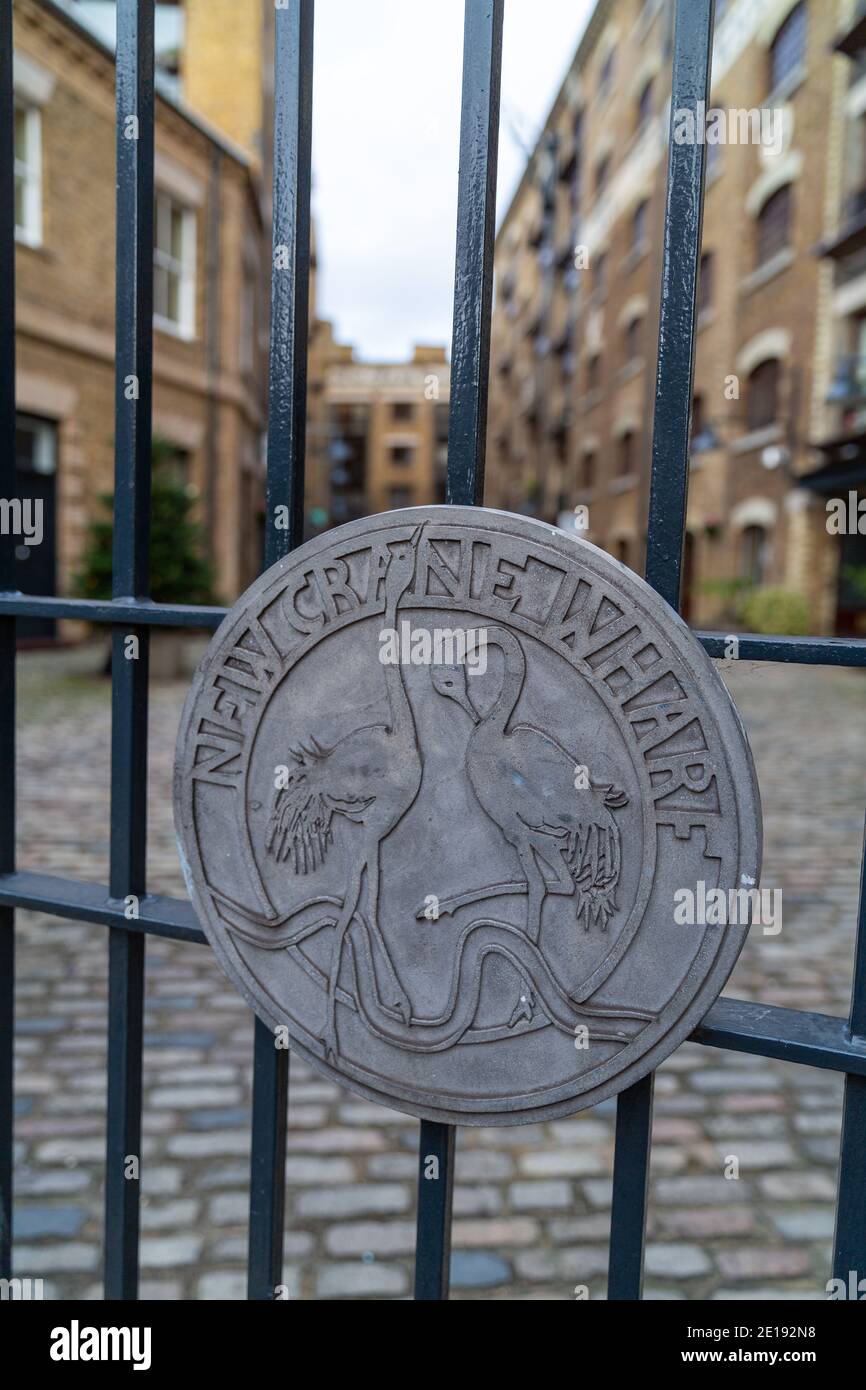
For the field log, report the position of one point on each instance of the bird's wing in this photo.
(300, 826)
(613, 796)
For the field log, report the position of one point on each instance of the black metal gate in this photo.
(793, 1035)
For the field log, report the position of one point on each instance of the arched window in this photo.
(705, 282)
(602, 169)
(627, 454)
(788, 49)
(774, 225)
(644, 104)
(753, 554)
(697, 424)
(762, 404)
(633, 339)
(639, 225)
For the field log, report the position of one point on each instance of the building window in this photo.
(599, 274)
(774, 224)
(248, 321)
(627, 454)
(588, 471)
(174, 267)
(753, 554)
(605, 74)
(28, 175)
(593, 373)
(762, 407)
(402, 410)
(712, 159)
(632, 340)
(399, 497)
(705, 283)
(788, 50)
(602, 169)
(644, 104)
(639, 226)
(401, 455)
(622, 551)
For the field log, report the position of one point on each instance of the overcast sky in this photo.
(386, 120)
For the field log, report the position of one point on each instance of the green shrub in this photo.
(774, 609)
(178, 571)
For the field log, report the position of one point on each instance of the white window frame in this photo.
(184, 269)
(30, 170)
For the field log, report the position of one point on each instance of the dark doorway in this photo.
(36, 476)
(851, 594)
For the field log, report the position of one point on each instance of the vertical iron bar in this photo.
(467, 433)
(693, 42)
(7, 627)
(849, 1244)
(435, 1187)
(634, 1110)
(129, 656)
(684, 205)
(267, 1165)
(287, 416)
(290, 277)
(476, 226)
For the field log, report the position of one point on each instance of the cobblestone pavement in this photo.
(531, 1203)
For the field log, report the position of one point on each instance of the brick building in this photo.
(578, 268)
(211, 264)
(386, 433)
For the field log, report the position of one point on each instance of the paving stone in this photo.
(573, 1230)
(316, 1171)
(579, 1264)
(51, 1182)
(222, 1284)
(30, 1221)
(365, 1199)
(541, 1196)
(699, 1190)
(371, 1237)
(560, 1163)
(805, 1223)
(705, 1223)
(164, 1252)
(504, 1231)
(480, 1200)
(359, 1280)
(676, 1261)
(69, 1256)
(798, 1187)
(478, 1269)
(159, 1216)
(762, 1262)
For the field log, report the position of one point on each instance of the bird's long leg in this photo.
(350, 902)
(537, 890)
(397, 994)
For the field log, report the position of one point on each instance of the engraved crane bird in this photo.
(527, 784)
(371, 777)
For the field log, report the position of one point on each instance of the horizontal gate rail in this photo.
(791, 1035)
(751, 646)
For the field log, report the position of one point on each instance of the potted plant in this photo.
(178, 571)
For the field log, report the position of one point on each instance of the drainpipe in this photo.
(212, 346)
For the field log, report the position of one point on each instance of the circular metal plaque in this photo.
(452, 791)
